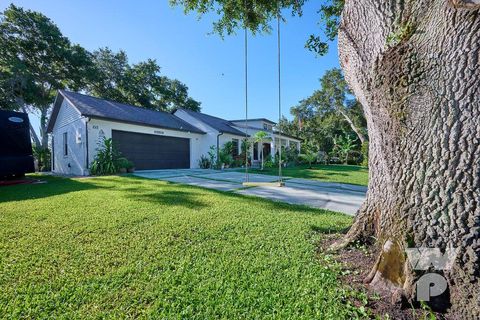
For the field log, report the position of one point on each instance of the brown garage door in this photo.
(150, 152)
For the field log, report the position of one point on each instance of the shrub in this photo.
(122, 163)
(204, 162)
(246, 146)
(228, 147)
(268, 163)
(224, 159)
(291, 155)
(212, 156)
(354, 157)
(322, 157)
(130, 166)
(225, 155)
(106, 159)
(239, 160)
(43, 157)
(276, 159)
(334, 160)
(309, 157)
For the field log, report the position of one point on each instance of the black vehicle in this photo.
(16, 156)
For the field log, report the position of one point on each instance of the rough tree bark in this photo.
(414, 65)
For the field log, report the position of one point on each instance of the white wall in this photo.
(209, 139)
(97, 129)
(259, 124)
(70, 121)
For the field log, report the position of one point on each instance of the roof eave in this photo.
(142, 124)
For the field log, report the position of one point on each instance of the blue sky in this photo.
(212, 68)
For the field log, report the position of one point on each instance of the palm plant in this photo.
(260, 137)
(310, 157)
(343, 145)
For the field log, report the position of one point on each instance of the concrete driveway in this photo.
(324, 195)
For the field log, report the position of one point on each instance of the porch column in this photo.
(272, 146)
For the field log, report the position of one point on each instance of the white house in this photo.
(150, 139)
(275, 139)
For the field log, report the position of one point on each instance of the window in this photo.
(234, 147)
(265, 126)
(65, 144)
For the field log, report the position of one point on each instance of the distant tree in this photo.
(8, 99)
(35, 61)
(111, 69)
(329, 112)
(332, 97)
(138, 84)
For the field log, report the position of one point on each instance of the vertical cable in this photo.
(247, 144)
(279, 96)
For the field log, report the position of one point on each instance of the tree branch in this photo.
(353, 126)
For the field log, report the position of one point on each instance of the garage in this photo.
(151, 152)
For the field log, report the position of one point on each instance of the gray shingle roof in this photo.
(255, 119)
(98, 108)
(219, 124)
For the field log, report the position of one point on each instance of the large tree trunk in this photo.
(33, 134)
(421, 94)
(43, 126)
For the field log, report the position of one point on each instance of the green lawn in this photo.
(329, 173)
(117, 247)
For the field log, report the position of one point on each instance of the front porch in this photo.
(270, 148)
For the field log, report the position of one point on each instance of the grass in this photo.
(330, 173)
(125, 247)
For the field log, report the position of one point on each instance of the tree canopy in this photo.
(36, 60)
(329, 113)
(256, 15)
(137, 84)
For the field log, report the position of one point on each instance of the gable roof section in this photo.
(287, 135)
(93, 107)
(219, 124)
(255, 119)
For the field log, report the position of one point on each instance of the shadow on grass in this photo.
(165, 192)
(254, 200)
(170, 197)
(348, 174)
(324, 230)
(335, 174)
(341, 167)
(50, 186)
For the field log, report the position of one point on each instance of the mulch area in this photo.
(358, 261)
(11, 182)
